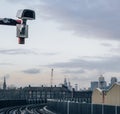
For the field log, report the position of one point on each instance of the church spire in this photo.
(4, 84)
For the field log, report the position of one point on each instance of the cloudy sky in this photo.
(79, 39)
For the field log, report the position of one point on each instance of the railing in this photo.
(67, 107)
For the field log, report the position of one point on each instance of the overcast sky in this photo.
(79, 39)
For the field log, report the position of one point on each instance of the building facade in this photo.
(82, 96)
(37, 93)
(107, 97)
(97, 96)
(112, 96)
(31, 93)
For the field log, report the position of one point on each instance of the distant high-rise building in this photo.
(69, 86)
(76, 87)
(102, 83)
(94, 85)
(113, 80)
(65, 82)
(4, 84)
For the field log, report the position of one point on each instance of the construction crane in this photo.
(51, 78)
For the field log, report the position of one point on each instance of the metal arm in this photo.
(9, 21)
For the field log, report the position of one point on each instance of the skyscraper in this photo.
(102, 83)
(94, 85)
(65, 82)
(113, 80)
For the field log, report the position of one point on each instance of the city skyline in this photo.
(78, 39)
(100, 83)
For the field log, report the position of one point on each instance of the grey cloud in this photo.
(96, 18)
(16, 51)
(25, 3)
(106, 64)
(32, 71)
(17, 2)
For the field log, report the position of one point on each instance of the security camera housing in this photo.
(26, 14)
